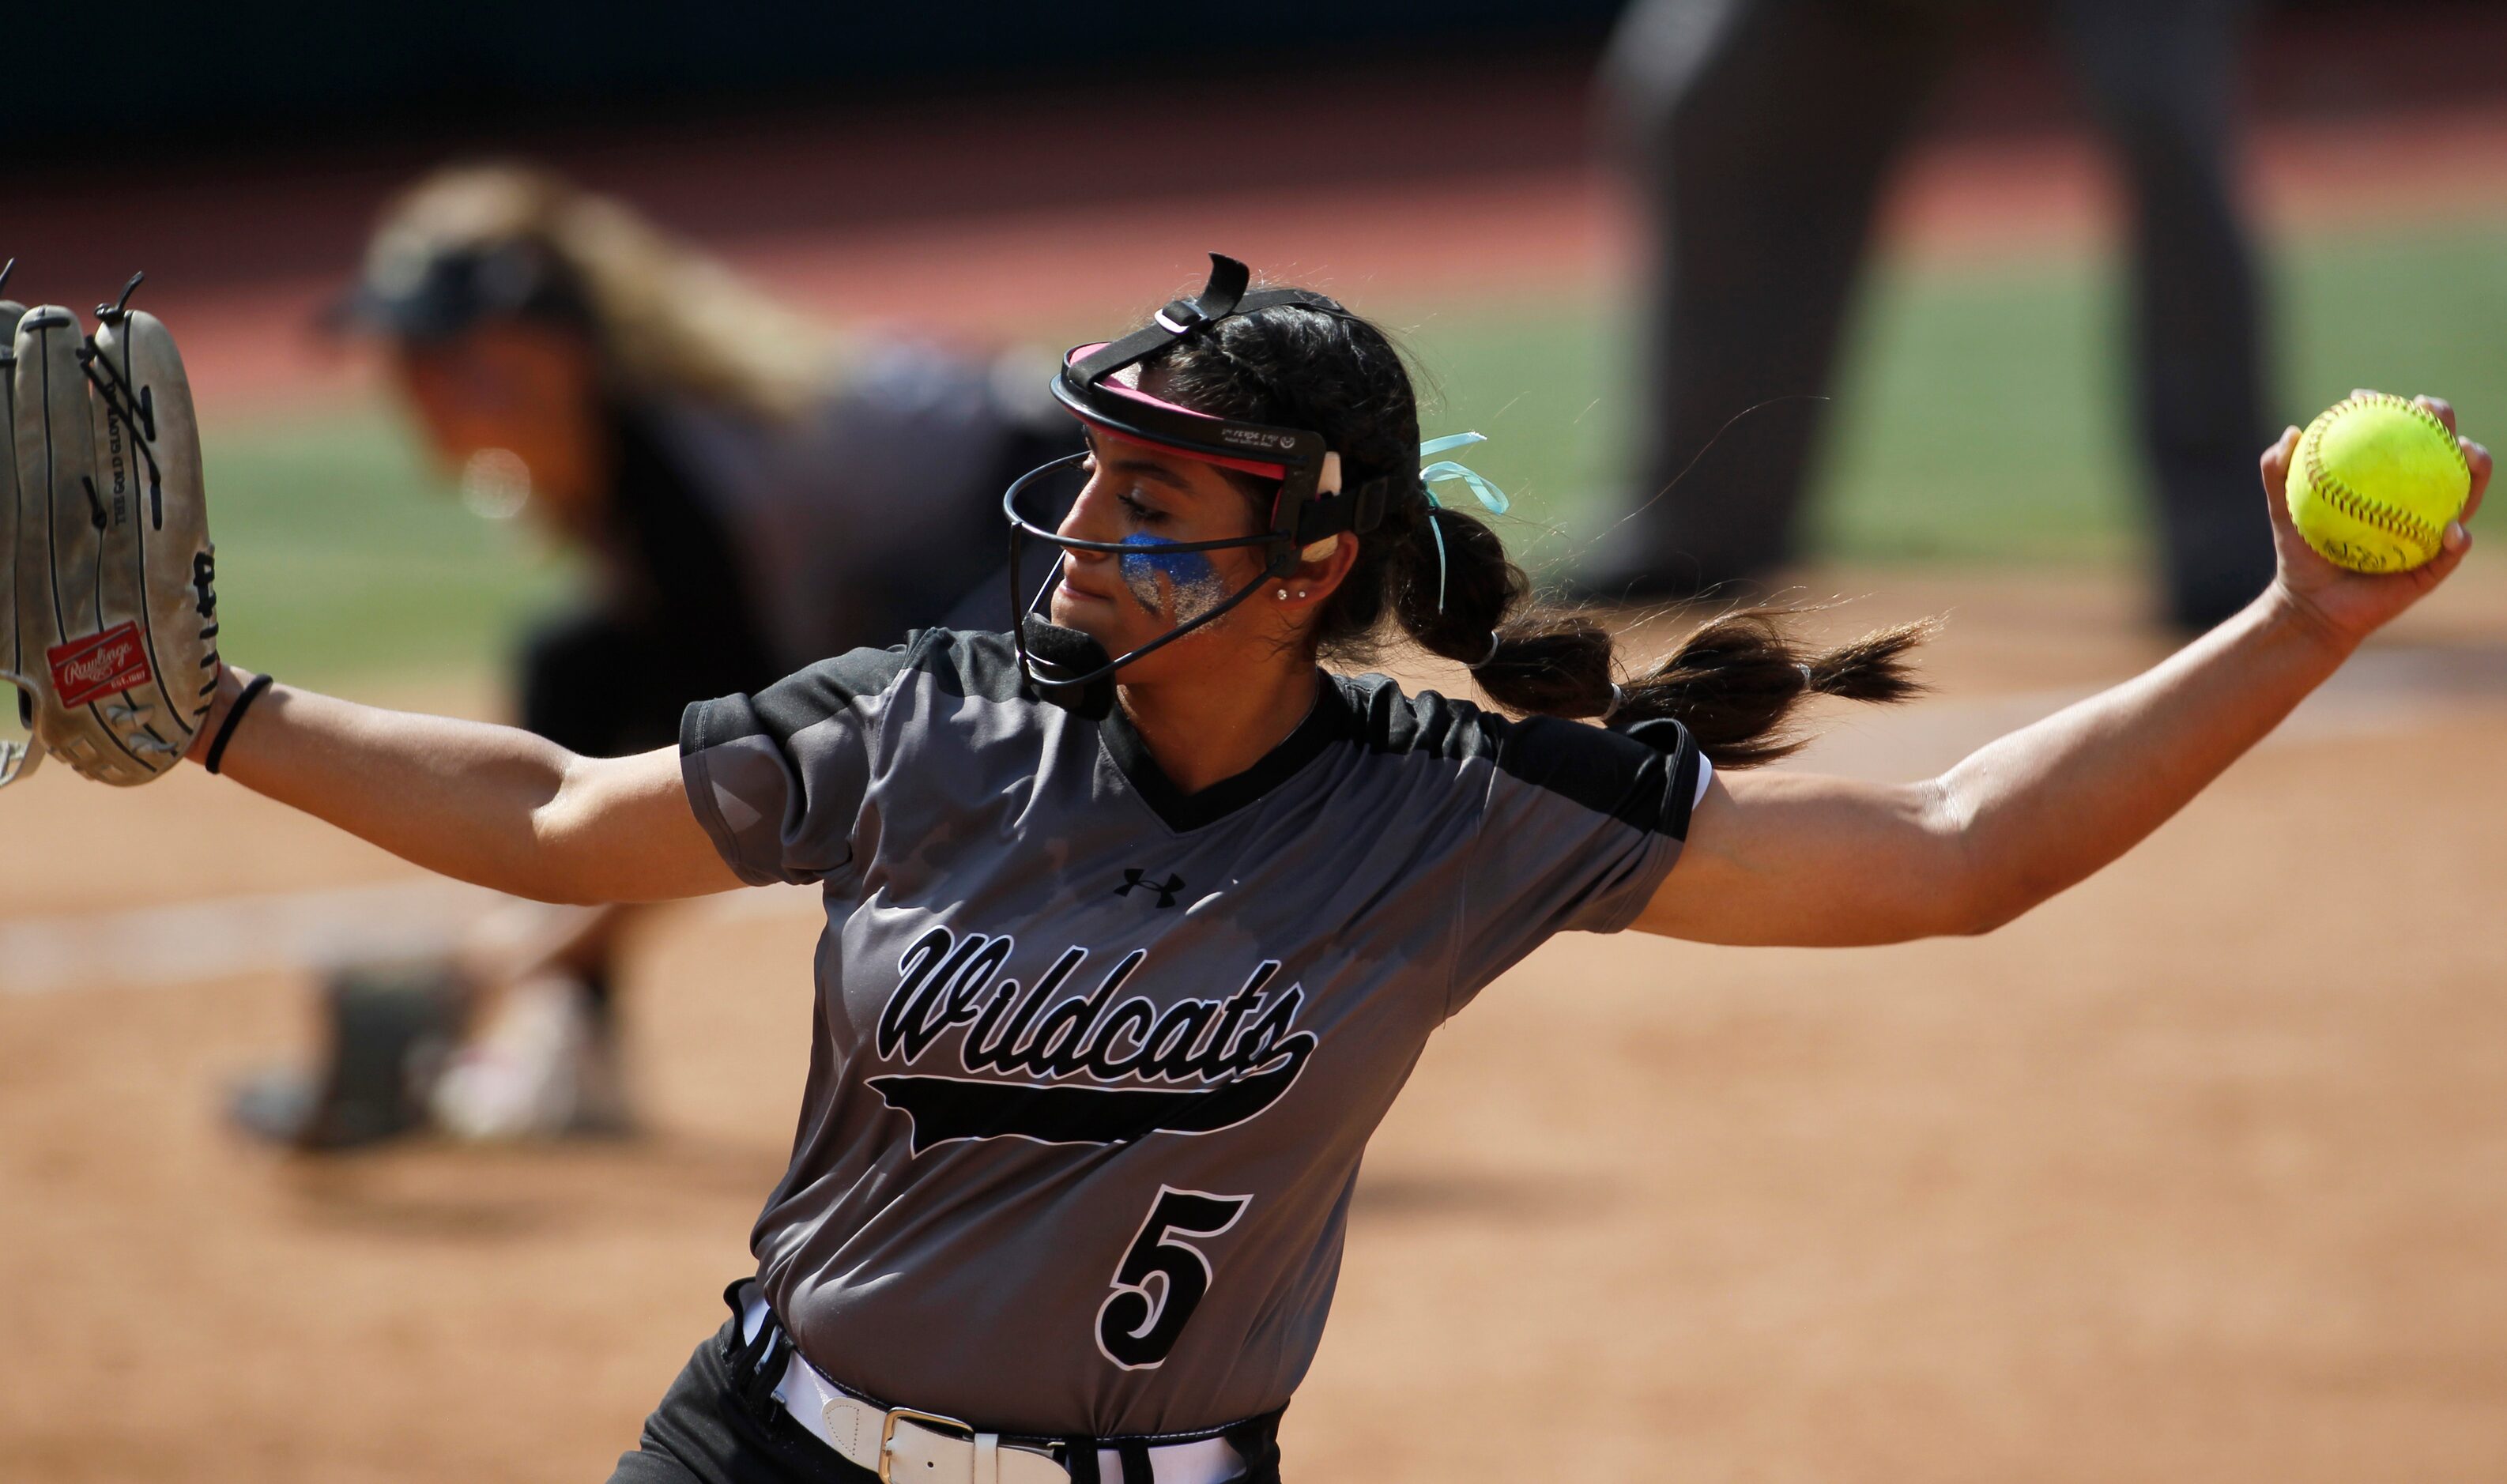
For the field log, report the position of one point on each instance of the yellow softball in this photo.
(2376, 481)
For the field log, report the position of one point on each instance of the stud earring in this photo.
(1284, 595)
(1301, 595)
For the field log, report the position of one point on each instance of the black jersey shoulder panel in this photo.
(977, 663)
(810, 696)
(961, 662)
(1602, 769)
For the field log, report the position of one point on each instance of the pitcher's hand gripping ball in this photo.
(110, 627)
(2376, 481)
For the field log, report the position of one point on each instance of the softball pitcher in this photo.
(1137, 917)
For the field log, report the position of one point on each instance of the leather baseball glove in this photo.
(20, 752)
(110, 627)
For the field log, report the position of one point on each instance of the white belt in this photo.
(920, 1447)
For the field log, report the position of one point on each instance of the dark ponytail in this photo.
(1738, 684)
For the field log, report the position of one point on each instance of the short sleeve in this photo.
(1580, 826)
(777, 779)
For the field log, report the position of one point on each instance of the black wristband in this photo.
(226, 728)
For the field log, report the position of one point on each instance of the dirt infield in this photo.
(2199, 1172)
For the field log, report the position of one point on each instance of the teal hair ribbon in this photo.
(1490, 496)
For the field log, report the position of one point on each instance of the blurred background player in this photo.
(748, 495)
(1759, 132)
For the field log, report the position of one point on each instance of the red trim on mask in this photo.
(1109, 385)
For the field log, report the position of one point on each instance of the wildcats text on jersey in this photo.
(1242, 1051)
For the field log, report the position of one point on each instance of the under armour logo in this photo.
(1134, 876)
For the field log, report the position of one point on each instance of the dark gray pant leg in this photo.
(2159, 73)
(706, 1431)
(1759, 130)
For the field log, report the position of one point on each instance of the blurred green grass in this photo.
(1981, 419)
(341, 552)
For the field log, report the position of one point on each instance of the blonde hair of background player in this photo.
(669, 320)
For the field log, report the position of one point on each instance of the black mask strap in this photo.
(1223, 296)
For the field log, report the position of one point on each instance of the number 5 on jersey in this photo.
(1162, 1279)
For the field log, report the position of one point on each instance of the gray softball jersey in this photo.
(1095, 1060)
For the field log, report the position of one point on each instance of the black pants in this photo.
(706, 1431)
(1762, 131)
(719, 1424)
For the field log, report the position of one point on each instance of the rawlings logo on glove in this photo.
(92, 669)
(108, 619)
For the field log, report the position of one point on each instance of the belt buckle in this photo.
(894, 1415)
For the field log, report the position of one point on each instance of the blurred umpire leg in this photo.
(2161, 74)
(1759, 130)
